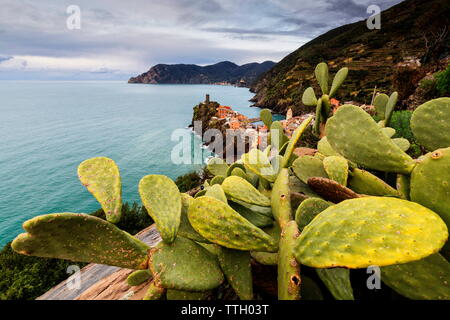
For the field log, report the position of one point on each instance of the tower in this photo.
(207, 99)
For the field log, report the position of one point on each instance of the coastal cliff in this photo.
(221, 73)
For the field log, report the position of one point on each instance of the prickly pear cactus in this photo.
(337, 169)
(240, 189)
(370, 231)
(102, 178)
(289, 278)
(308, 210)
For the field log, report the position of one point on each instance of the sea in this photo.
(47, 128)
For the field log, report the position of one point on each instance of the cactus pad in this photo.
(220, 224)
(321, 73)
(426, 279)
(217, 167)
(371, 231)
(308, 210)
(236, 265)
(331, 190)
(178, 295)
(380, 103)
(101, 177)
(81, 238)
(325, 148)
(354, 134)
(281, 199)
(258, 163)
(240, 189)
(337, 169)
(309, 97)
(337, 280)
(217, 192)
(402, 143)
(154, 292)
(364, 182)
(389, 132)
(257, 219)
(162, 199)
(185, 265)
(293, 141)
(138, 277)
(430, 183)
(390, 106)
(308, 167)
(186, 229)
(338, 80)
(266, 117)
(430, 124)
(289, 280)
(217, 180)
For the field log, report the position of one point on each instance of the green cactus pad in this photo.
(293, 141)
(430, 183)
(236, 265)
(426, 279)
(380, 103)
(258, 163)
(266, 117)
(308, 167)
(185, 265)
(308, 210)
(265, 258)
(354, 134)
(318, 118)
(238, 172)
(240, 189)
(325, 148)
(154, 292)
(289, 279)
(402, 143)
(404, 186)
(338, 80)
(309, 97)
(162, 199)
(336, 168)
(101, 177)
(266, 211)
(217, 192)
(217, 180)
(281, 199)
(364, 182)
(390, 106)
(257, 219)
(331, 190)
(310, 290)
(389, 132)
(234, 166)
(186, 229)
(217, 167)
(220, 224)
(297, 186)
(277, 136)
(81, 238)
(430, 124)
(371, 231)
(178, 295)
(321, 73)
(337, 280)
(139, 277)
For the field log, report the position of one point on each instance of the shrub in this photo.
(443, 82)
(400, 121)
(190, 180)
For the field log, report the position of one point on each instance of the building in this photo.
(234, 124)
(224, 112)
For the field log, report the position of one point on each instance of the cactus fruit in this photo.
(430, 183)
(217, 192)
(220, 224)
(309, 98)
(258, 163)
(430, 124)
(162, 199)
(426, 279)
(240, 189)
(380, 103)
(337, 169)
(331, 190)
(364, 182)
(236, 265)
(371, 231)
(308, 210)
(293, 141)
(281, 199)
(82, 238)
(354, 134)
(138, 277)
(266, 117)
(337, 280)
(390, 106)
(217, 167)
(184, 265)
(101, 177)
(257, 219)
(308, 167)
(289, 279)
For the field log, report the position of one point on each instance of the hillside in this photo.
(222, 72)
(413, 41)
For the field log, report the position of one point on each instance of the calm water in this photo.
(48, 128)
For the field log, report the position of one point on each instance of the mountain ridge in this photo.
(222, 72)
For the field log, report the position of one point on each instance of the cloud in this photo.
(128, 37)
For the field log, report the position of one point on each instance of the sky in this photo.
(117, 39)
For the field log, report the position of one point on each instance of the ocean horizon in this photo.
(49, 127)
